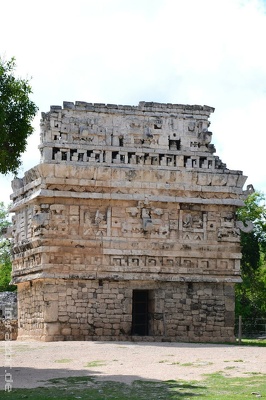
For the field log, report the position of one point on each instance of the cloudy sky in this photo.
(206, 52)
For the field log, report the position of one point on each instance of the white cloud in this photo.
(123, 51)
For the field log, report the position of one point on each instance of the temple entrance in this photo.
(140, 313)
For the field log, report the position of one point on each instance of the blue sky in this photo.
(123, 51)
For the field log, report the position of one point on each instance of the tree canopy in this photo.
(5, 262)
(16, 114)
(250, 294)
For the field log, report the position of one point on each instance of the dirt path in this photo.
(33, 363)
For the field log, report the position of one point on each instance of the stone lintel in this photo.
(139, 197)
(128, 277)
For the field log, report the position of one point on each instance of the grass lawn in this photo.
(214, 387)
(253, 342)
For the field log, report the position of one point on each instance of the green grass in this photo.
(197, 363)
(63, 360)
(214, 387)
(188, 364)
(21, 347)
(253, 342)
(96, 363)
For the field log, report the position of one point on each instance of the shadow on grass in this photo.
(66, 384)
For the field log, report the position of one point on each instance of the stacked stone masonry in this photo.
(126, 230)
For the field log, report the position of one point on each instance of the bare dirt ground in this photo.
(33, 363)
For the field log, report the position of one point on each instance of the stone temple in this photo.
(126, 230)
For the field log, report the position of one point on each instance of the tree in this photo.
(16, 114)
(5, 262)
(250, 294)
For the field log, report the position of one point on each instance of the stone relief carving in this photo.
(249, 190)
(171, 264)
(149, 220)
(29, 262)
(40, 219)
(58, 219)
(228, 234)
(246, 227)
(87, 223)
(94, 222)
(193, 225)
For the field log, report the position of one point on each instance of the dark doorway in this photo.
(140, 312)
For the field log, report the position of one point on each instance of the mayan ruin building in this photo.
(126, 230)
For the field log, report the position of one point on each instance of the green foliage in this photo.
(5, 262)
(253, 342)
(16, 114)
(250, 295)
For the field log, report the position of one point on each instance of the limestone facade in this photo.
(126, 230)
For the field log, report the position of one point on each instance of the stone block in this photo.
(51, 329)
(50, 296)
(66, 331)
(51, 311)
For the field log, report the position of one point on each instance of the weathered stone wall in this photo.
(8, 301)
(127, 199)
(31, 305)
(86, 310)
(8, 329)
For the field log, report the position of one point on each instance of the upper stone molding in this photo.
(152, 134)
(143, 106)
